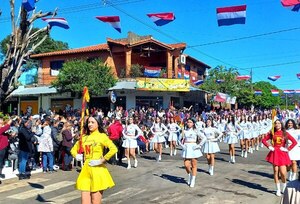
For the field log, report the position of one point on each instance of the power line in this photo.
(81, 8)
(246, 37)
(273, 65)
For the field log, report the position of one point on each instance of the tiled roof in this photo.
(194, 59)
(146, 39)
(73, 51)
(178, 45)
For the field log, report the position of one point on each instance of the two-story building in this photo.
(171, 87)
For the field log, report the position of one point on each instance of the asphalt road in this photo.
(247, 181)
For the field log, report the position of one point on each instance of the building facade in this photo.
(120, 55)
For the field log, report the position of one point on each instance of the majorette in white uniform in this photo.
(244, 133)
(189, 144)
(212, 137)
(131, 132)
(295, 152)
(255, 129)
(173, 129)
(231, 134)
(159, 130)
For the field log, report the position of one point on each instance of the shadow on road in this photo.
(42, 200)
(36, 185)
(149, 157)
(263, 174)
(175, 179)
(251, 185)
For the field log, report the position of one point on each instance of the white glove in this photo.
(283, 149)
(196, 147)
(79, 157)
(182, 146)
(271, 148)
(96, 162)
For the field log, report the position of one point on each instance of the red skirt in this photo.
(278, 158)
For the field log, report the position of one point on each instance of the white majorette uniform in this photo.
(255, 129)
(189, 144)
(295, 152)
(221, 125)
(158, 130)
(173, 129)
(131, 133)
(231, 134)
(265, 127)
(200, 125)
(212, 137)
(250, 130)
(244, 133)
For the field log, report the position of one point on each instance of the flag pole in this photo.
(85, 100)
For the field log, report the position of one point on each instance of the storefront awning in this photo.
(124, 85)
(26, 91)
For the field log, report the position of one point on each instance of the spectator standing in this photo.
(115, 134)
(25, 146)
(46, 147)
(67, 144)
(3, 143)
(56, 143)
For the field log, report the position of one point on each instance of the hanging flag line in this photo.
(276, 92)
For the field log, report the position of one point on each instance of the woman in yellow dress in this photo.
(94, 176)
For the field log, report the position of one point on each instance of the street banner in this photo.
(159, 84)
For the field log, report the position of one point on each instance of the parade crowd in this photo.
(50, 141)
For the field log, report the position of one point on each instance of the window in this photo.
(55, 66)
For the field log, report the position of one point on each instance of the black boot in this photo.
(2, 176)
(23, 176)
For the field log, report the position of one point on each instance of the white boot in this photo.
(283, 187)
(175, 152)
(242, 155)
(159, 157)
(211, 170)
(189, 179)
(246, 154)
(171, 153)
(230, 159)
(261, 145)
(278, 193)
(233, 159)
(257, 147)
(193, 179)
(135, 163)
(128, 164)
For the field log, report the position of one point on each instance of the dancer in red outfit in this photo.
(278, 155)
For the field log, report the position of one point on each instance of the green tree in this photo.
(266, 100)
(48, 45)
(76, 74)
(136, 71)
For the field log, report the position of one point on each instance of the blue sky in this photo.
(196, 25)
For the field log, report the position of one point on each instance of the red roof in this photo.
(73, 51)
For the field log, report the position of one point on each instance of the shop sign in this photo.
(160, 84)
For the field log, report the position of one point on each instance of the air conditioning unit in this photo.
(182, 59)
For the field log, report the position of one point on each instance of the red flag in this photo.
(290, 2)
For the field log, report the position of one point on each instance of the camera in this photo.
(10, 131)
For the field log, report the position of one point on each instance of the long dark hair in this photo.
(99, 121)
(282, 129)
(290, 120)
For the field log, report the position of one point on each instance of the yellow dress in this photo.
(96, 178)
